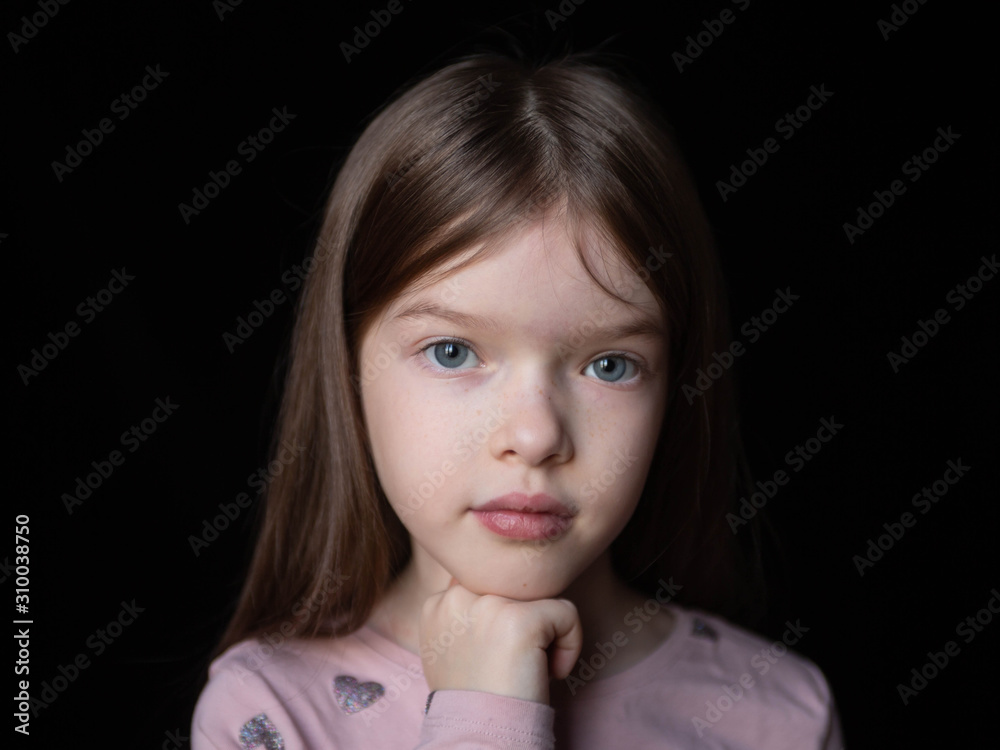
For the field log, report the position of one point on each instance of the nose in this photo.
(535, 429)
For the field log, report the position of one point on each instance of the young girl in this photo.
(508, 525)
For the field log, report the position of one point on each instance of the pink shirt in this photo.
(709, 684)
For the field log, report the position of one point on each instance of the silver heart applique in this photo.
(353, 696)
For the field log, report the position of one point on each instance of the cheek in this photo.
(620, 426)
(385, 435)
(620, 455)
(411, 433)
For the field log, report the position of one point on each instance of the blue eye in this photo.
(610, 368)
(448, 354)
(451, 354)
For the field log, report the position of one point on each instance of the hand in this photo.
(497, 645)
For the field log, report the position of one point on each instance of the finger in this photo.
(565, 637)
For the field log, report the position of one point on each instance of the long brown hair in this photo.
(466, 156)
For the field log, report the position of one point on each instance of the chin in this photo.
(527, 588)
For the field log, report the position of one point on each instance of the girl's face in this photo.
(515, 375)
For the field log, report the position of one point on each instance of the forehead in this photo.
(534, 276)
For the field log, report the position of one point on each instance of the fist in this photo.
(497, 645)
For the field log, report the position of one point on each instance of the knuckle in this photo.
(571, 606)
(512, 617)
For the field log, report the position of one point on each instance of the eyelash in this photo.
(641, 371)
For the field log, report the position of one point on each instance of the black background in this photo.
(826, 357)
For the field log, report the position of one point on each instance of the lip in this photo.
(527, 517)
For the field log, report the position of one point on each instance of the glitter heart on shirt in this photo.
(259, 731)
(353, 696)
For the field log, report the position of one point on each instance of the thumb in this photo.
(568, 643)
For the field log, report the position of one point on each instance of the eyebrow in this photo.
(643, 327)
